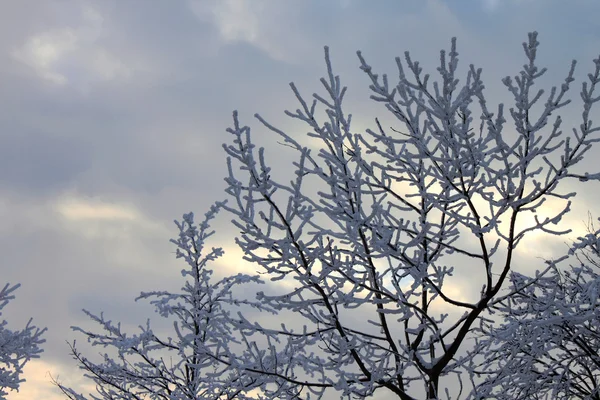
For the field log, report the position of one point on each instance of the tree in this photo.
(377, 230)
(149, 366)
(548, 345)
(16, 347)
(378, 223)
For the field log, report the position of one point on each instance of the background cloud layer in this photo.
(113, 114)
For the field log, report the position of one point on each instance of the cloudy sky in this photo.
(113, 113)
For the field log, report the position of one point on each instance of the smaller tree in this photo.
(16, 347)
(197, 362)
(549, 343)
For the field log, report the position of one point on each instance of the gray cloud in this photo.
(113, 114)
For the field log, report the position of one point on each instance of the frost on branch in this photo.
(196, 360)
(381, 226)
(373, 245)
(16, 347)
(548, 345)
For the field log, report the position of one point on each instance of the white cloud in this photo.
(39, 385)
(236, 20)
(262, 24)
(107, 66)
(75, 209)
(97, 219)
(491, 5)
(44, 51)
(54, 54)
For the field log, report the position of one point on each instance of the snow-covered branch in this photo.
(16, 347)
(197, 360)
(549, 341)
(377, 223)
(371, 245)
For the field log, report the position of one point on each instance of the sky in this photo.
(113, 114)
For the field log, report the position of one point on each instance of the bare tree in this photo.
(381, 223)
(16, 347)
(548, 345)
(372, 242)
